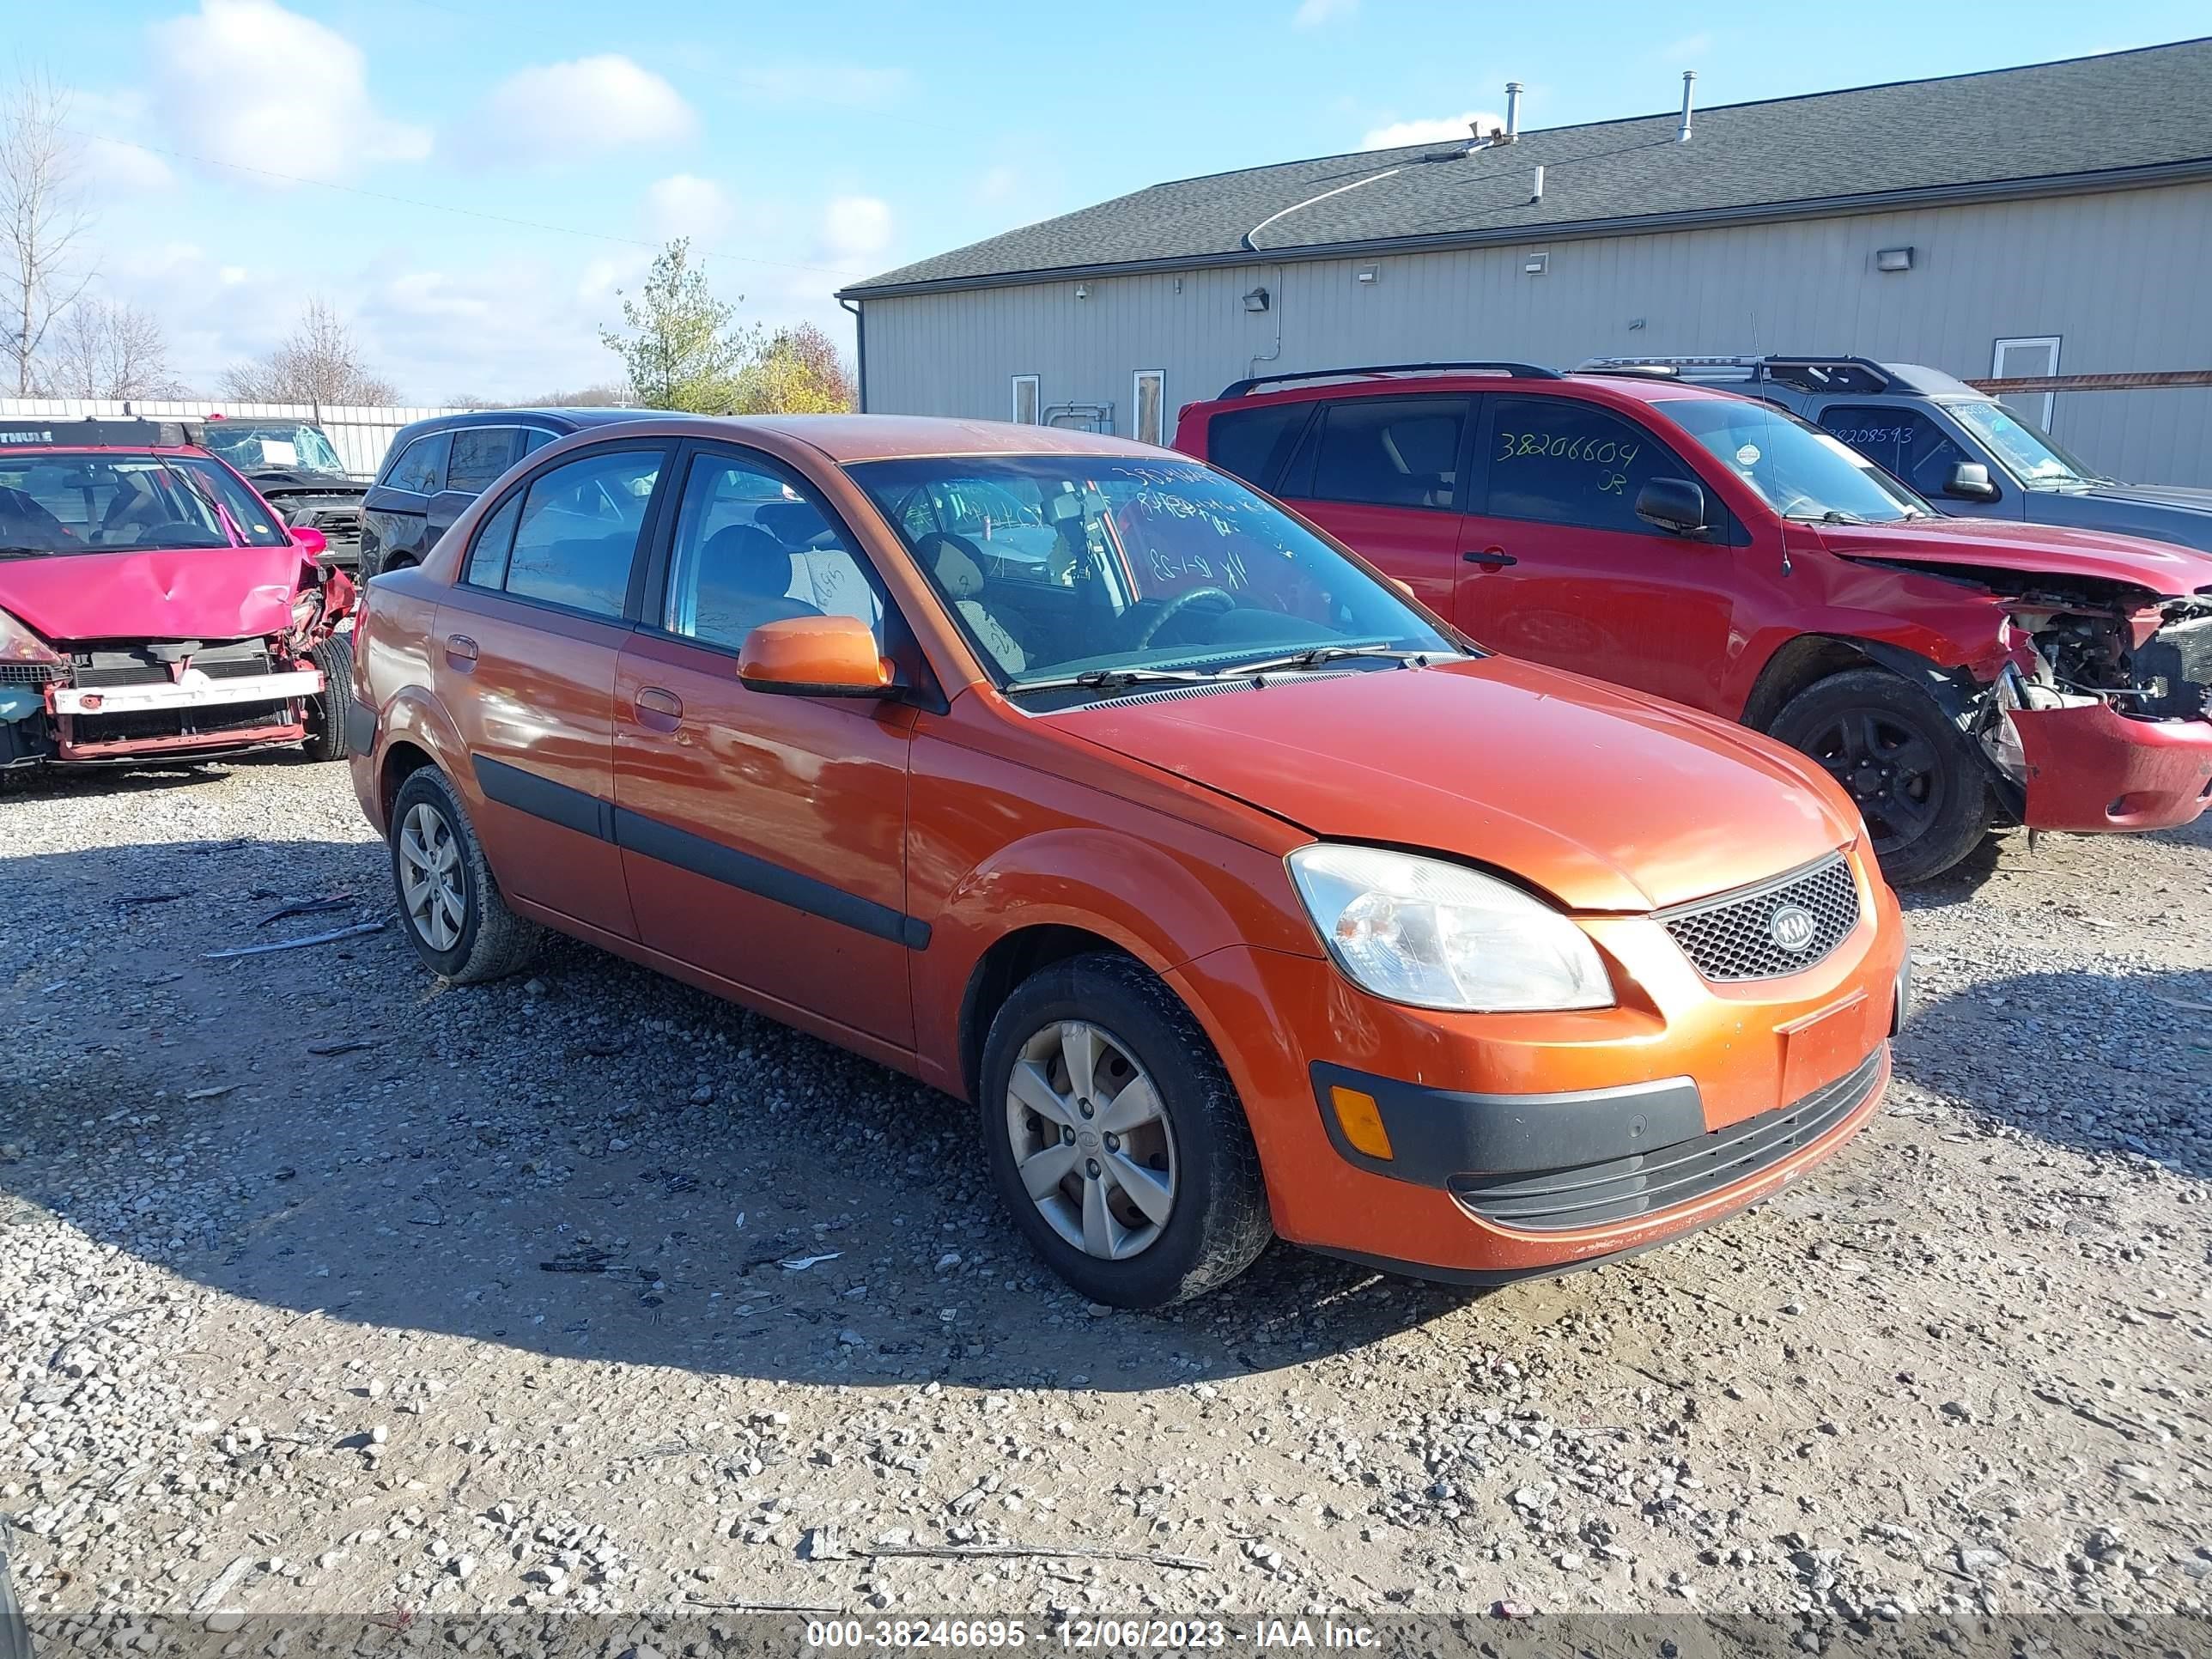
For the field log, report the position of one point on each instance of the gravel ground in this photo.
(324, 1288)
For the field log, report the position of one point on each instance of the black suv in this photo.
(435, 468)
(1954, 444)
(297, 469)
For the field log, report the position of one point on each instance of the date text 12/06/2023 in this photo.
(1073, 1635)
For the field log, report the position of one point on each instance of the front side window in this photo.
(421, 468)
(107, 503)
(1796, 468)
(1904, 442)
(1119, 564)
(1557, 460)
(480, 454)
(577, 532)
(1388, 452)
(751, 549)
(2029, 453)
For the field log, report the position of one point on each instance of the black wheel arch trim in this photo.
(587, 814)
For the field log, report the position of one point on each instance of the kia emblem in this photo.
(1793, 927)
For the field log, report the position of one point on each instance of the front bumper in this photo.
(194, 714)
(193, 691)
(2092, 768)
(1689, 1101)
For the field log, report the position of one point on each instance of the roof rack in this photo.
(97, 432)
(1520, 371)
(1806, 373)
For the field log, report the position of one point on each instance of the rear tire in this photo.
(1122, 1153)
(326, 722)
(1916, 778)
(450, 908)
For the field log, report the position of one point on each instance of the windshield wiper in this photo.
(1314, 656)
(1831, 516)
(1106, 679)
(24, 552)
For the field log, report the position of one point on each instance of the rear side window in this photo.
(1253, 443)
(1390, 451)
(421, 467)
(578, 531)
(480, 454)
(1903, 442)
(494, 539)
(1557, 461)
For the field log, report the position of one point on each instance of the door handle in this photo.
(461, 651)
(658, 710)
(1494, 558)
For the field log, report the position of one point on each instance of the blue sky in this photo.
(240, 154)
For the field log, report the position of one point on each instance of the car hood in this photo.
(1605, 799)
(2163, 512)
(191, 593)
(2034, 549)
(292, 479)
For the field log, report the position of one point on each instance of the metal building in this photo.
(2053, 220)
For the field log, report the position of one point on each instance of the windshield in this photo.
(97, 503)
(2026, 451)
(1798, 470)
(262, 448)
(1057, 566)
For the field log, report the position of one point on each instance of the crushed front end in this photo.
(2101, 718)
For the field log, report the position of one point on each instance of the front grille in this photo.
(1622, 1189)
(245, 660)
(138, 724)
(1736, 936)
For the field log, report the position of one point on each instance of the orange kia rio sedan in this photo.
(1240, 896)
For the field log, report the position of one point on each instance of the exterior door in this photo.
(1560, 571)
(525, 653)
(479, 455)
(764, 835)
(1914, 445)
(1383, 475)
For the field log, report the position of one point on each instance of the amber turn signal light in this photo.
(1361, 1119)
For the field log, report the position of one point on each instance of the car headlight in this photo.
(1437, 935)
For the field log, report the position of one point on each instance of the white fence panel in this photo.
(361, 433)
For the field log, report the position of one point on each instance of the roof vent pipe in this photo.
(1689, 99)
(1512, 110)
(1536, 186)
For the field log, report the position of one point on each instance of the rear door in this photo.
(524, 657)
(1383, 475)
(1561, 570)
(395, 513)
(763, 835)
(479, 455)
(1917, 447)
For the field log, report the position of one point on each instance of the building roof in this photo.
(2121, 117)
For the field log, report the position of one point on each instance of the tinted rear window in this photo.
(1253, 443)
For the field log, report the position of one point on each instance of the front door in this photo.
(1561, 571)
(763, 835)
(525, 653)
(479, 455)
(1381, 474)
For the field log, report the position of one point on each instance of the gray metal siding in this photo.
(2118, 276)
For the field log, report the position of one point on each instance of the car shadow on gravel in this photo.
(2106, 1064)
(2015, 851)
(591, 1161)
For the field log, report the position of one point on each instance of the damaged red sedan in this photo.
(1954, 675)
(153, 607)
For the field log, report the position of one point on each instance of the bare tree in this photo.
(105, 349)
(42, 221)
(319, 362)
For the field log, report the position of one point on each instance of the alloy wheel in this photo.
(432, 887)
(1091, 1140)
(1892, 771)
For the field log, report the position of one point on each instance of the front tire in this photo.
(1116, 1138)
(326, 722)
(1915, 777)
(449, 906)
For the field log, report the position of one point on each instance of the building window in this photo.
(1151, 401)
(2030, 355)
(1025, 400)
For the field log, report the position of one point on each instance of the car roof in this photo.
(1639, 388)
(843, 438)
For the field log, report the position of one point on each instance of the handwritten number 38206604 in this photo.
(1604, 454)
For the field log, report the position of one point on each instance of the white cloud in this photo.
(856, 227)
(684, 204)
(1443, 129)
(817, 82)
(559, 112)
(250, 84)
(1312, 13)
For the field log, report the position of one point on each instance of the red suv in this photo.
(1952, 674)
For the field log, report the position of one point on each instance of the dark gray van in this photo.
(435, 468)
(1961, 448)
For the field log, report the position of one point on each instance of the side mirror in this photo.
(309, 540)
(815, 657)
(1673, 504)
(1969, 482)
